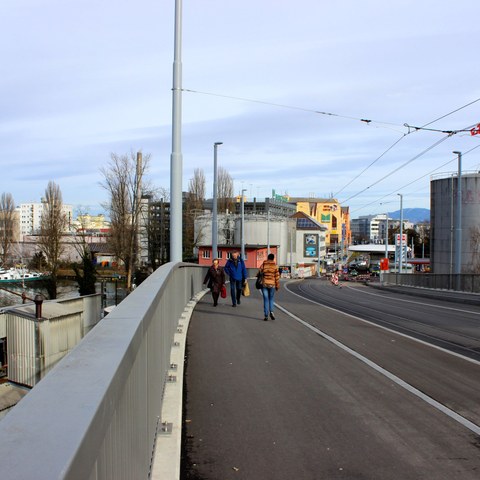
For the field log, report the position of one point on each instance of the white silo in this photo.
(443, 223)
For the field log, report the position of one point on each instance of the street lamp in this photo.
(215, 201)
(268, 230)
(458, 222)
(386, 235)
(242, 226)
(176, 157)
(400, 262)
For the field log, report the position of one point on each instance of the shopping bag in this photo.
(223, 291)
(246, 290)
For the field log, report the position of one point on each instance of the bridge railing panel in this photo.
(95, 415)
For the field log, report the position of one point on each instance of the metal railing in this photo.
(457, 282)
(95, 415)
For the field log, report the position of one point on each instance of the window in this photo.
(219, 254)
(206, 254)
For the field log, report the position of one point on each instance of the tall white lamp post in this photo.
(215, 201)
(242, 226)
(176, 157)
(400, 261)
(458, 223)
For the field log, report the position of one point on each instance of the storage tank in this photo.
(443, 223)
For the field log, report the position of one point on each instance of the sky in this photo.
(310, 98)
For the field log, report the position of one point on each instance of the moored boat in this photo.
(15, 275)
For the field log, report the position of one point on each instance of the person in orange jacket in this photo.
(271, 283)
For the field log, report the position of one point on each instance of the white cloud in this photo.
(82, 80)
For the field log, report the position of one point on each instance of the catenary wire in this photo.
(331, 114)
(408, 133)
(397, 169)
(413, 181)
(447, 132)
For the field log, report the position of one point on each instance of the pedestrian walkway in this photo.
(275, 400)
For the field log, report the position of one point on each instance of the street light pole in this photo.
(400, 261)
(458, 223)
(176, 158)
(386, 235)
(242, 226)
(215, 201)
(268, 230)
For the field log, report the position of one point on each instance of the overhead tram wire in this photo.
(367, 167)
(415, 129)
(448, 132)
(398, 168)
(394, 192)
(330, 114)
(290, 107)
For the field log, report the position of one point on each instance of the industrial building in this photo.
(36, 336)
(443, 218)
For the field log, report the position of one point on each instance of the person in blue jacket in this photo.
(235, 269)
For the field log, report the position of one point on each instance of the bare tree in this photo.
(196, 188)
(7, 223)
(123, 180)
(225, 190)
(53, 224)
(193, 208)
(85, 273)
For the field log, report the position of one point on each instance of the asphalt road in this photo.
(454, 325)
(318, 394)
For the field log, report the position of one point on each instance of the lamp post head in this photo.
(217, 143)
(457, 153)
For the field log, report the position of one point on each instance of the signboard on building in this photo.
(280, 198)
(310, 243)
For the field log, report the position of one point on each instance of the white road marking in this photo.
(423, 342)
(430, 401)
(414, 302)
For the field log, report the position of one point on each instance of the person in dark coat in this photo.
(236, 270)
(215, 280)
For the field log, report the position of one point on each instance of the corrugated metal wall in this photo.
(21, 350)
(35, 347)
(3, 325)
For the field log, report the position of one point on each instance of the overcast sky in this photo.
(82, 79)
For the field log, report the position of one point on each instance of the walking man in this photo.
(235, 269)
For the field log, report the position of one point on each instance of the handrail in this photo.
(95, 415)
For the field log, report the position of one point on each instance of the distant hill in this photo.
(415, 215)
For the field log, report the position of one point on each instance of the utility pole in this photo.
(176, 158)
(400, 261)
(458, 224)
(242, 226)
(215, 201)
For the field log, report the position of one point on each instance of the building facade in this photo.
(329, 213)
(31, 217)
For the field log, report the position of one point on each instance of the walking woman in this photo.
(216, 280)
(271, 283)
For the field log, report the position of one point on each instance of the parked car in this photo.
(374, 270)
